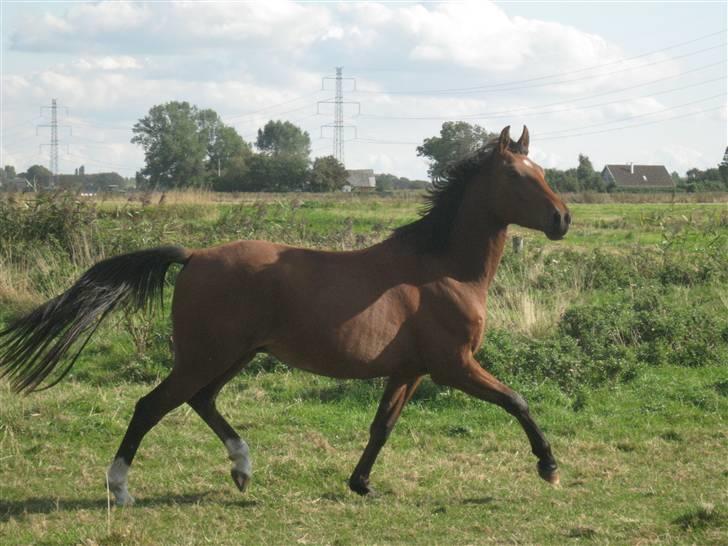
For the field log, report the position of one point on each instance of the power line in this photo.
(499, 87)
(635, 116)
(271, 107)
(104, 127)
(21, 124)
(635, 125)
(251, 136)
(601, 65)
(625, 59)
(102, 163)
(536, 112)
(374, 140)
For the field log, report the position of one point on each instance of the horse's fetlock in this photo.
(359, 484)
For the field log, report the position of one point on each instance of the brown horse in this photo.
(412, 305)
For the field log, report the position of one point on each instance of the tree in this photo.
(388, 182)
(694, 173)
(707, 180)
(38, 176)
(233, 178)
(275, 173)
(385, 181)
(457, 139)
(185, 146)
(587, 177)
(723, 168)
(282, 138)
(224, 144)
(8, 172)
(564, 181)
(327, 174)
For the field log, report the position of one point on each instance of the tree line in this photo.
(185, 146)
(189, 147)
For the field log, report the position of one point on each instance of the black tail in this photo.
(33, 345)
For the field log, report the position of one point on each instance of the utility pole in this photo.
(338, 103)
(53, 163)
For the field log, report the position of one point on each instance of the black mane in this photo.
(431, 233)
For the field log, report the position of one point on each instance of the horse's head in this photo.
(519, 190)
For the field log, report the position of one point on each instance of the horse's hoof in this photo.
(360, 486)
(549, 472)
(121, 494)
(123, 498)
(241, 479)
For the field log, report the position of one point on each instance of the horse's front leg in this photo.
(472, 379)
(397, 393)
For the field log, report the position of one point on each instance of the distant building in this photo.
(360, 180)
(637, 176)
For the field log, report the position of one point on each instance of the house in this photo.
(360, 180)
(637, 176)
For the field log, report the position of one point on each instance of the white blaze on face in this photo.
(239, 455)
(116, 477)
(527, 163)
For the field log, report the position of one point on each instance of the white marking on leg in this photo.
(239, 455)
(116, 477)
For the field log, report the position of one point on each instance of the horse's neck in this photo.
(476, 247)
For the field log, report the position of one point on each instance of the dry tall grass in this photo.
(515, 305)
(40, 274)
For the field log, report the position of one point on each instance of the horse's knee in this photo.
(147, 411)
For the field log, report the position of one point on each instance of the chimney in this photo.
(631, 168)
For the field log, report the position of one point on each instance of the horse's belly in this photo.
(363, 347)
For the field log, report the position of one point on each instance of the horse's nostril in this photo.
(557, 218)
(567, 218)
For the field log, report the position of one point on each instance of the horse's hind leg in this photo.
(204, 404)
(397, 393)
(172, 392)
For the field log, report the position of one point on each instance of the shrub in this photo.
(557, 359)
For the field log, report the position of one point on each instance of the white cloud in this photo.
(109, 62)
(176, 27)
(678, 157)
(121, 62)
(545, 158)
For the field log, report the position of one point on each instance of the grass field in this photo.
(617, 336)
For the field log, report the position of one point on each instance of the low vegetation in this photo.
(618, 337)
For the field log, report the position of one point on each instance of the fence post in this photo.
(517, 244)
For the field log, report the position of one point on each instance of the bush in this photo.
(661, 328)
(56, 218)
(558, 359)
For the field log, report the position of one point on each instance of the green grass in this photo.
(643, 463)
(617, 336)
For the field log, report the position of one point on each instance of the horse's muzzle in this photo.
(559, 225)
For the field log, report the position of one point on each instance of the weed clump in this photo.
(704, 516)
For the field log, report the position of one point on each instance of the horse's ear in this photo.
(523, 141)
(504, 141)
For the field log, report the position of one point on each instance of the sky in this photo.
(618, 81)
